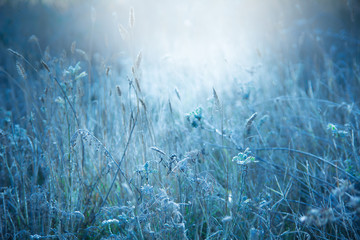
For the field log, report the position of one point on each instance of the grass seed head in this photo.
(118, 90)
(132, 18)
(216, 98)
(21, 71)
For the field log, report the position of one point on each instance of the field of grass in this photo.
(98, 142)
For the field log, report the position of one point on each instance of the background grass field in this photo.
(190, 120)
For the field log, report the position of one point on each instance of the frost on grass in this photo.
(179, 176)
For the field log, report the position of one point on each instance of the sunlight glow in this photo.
(203, 44)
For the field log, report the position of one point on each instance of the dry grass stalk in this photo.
(177, 94)
(15, 53)
(249, 122)
(132, 18)
(21, 71)
(82, 53)
(123, 32)
(45, 65)
(138, 60)
(216, 98)
(171, 110)
(157, 150)
(137, 84)
(118, 90)
(143, 103)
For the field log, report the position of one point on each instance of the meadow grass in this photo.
(87, 153)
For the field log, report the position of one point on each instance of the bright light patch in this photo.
(197, 45)
(230, 197)
(192, 45)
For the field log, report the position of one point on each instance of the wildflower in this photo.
(244, 158)
(195, 117)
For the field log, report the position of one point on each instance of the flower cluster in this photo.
(194, 118)
(244, 158)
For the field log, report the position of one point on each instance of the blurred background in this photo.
(190, 45)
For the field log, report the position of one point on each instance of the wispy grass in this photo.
(98, 157)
